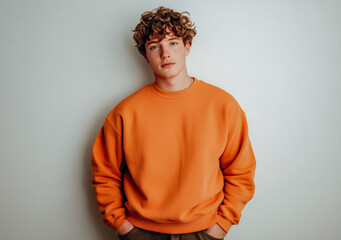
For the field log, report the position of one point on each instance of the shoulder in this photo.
(125, 106)
(219, 94)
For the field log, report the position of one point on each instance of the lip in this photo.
(166, 65)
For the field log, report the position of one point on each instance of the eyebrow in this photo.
(172, 38)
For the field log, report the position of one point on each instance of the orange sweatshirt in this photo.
(174, 162)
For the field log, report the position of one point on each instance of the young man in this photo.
(173, 160)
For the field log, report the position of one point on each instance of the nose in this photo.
(164, 52)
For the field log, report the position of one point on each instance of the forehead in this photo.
(156, 38)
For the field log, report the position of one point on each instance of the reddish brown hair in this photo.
(156, 22)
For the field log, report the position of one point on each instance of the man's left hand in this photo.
(216, 231)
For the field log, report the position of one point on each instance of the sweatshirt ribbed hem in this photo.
(196, 225)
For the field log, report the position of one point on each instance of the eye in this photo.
(174, 43)
(153, 47)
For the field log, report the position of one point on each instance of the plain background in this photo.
(65, 64)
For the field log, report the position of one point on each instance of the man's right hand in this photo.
(125, 228)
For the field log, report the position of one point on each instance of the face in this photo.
(167, 58)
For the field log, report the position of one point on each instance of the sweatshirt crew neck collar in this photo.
(176, 94)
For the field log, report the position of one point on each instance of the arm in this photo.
(107, 162)
(238, 165)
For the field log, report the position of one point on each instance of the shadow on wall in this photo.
(139, 65)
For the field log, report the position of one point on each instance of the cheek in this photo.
(152, 59)
(154, 63)
(180, 53)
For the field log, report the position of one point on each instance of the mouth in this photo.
(166, 65)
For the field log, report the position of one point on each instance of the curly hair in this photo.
(156, 22)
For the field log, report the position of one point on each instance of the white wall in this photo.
(65, 64)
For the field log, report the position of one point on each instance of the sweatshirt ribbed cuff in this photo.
(224, 223)
(118, 225)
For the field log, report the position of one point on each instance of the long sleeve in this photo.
(238, 165)
(107, 163)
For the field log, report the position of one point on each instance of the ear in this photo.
(187, 48)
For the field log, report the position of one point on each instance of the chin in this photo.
(169, 74)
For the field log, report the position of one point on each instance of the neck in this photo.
(174, 84)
